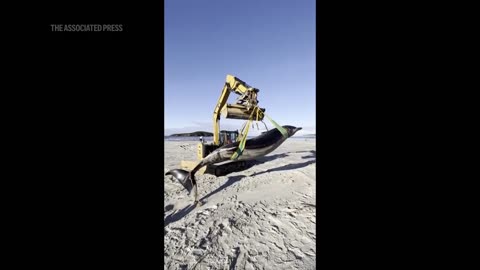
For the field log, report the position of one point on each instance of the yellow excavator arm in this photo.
(245, 107)
(241, 110)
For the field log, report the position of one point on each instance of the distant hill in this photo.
(193, 134)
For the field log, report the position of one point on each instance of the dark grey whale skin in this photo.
(254, 148)
(181, 175)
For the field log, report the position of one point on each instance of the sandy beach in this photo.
(259, 218)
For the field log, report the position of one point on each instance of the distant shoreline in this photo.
(192, 134)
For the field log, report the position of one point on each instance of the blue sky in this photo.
(268, 44)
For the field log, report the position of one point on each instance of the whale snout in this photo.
(294, 130)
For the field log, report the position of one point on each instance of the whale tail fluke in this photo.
(186, 179)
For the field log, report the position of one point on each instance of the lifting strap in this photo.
(240, 135)
(280, 128)
(241, 146)
(258, 113)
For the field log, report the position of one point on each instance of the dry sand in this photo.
(259, 218)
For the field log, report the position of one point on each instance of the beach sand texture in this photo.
(259, 218)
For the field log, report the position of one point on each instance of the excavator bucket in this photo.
(235, 111)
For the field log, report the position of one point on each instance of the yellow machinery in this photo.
(244, 108)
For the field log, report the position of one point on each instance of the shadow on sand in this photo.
(313, 155)
(231, 180)
(309, 151)
(264, 159)
(178, 215)
(185, 211)
(287, 167)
